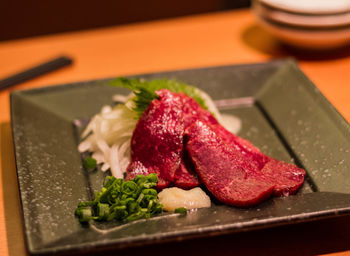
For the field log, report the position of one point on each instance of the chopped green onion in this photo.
(102, 211)
(84, 214)
(129, 187)
(122, 200)
(90, 163)
(181, 210)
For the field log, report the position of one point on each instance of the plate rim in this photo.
(212, 230)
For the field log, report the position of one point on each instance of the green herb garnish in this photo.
(181, 210)
(90, 163)
(122, 200)
(145, 91)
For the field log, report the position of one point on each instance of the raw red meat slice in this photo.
(223, 170)
(236, 172)
(192, 111)
(288, 178)
(157, 141)
(247, 149)
(185, 176)
(186, 179)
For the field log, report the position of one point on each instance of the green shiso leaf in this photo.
(145, 90)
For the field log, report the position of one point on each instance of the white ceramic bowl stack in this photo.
(313, 24)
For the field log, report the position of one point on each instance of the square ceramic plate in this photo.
(282, 113)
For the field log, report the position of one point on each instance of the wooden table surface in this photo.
(190, 42)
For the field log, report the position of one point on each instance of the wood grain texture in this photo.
(195, 41)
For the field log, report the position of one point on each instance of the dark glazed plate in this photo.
(288, 119)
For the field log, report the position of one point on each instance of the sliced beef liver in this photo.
(185, 176)
(157, 141)
(156, 144)
(223, 169)
(236, 172)
(232, 169)
(247, 149)
(287, 177)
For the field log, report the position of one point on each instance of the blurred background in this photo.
(19, 19)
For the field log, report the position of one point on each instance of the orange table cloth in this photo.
(231, 37)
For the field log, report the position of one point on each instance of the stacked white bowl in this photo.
(313, 24)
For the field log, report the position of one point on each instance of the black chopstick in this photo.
(36, 71)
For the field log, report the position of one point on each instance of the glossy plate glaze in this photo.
(282, 113)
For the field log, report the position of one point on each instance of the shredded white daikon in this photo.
(108, 134)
